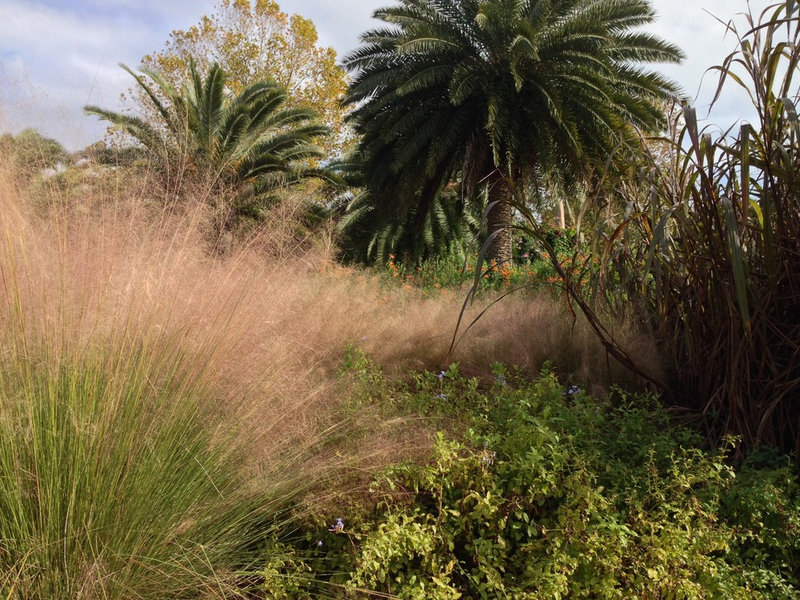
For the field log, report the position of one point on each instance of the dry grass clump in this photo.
(144, 408)
(280, 306)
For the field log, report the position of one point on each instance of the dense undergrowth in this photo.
(531, 270)
(177, 422)
(536, 490)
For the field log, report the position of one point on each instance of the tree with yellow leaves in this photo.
(255, 41)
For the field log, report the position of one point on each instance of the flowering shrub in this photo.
(439, 276)
(532, 269)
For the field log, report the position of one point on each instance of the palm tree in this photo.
(499, 92)
(450, 223)
(367, 236)
(249, 142)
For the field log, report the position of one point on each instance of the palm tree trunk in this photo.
(499, 220)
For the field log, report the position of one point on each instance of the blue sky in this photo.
(58, 55)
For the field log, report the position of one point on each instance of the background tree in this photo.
(250, 142)
(499, 91)
(118, 155)
(31, 152)
(255, 41)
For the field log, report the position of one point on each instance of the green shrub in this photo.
(763, 507)
(542, 492)
(456, 269)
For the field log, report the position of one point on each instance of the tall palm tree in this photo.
(249, 142)
(497, 92)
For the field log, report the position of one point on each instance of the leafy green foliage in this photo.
(545, 492)
(454, 270)
(449, 224)
(30, 152)
(764, 507)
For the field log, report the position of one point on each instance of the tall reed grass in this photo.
(704, 245)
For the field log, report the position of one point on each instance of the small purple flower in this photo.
(441, 375)
(500, 379)
(338, 527)
(441, 396)
(488, 457)
(572, 391)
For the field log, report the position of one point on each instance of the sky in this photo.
(58, 55)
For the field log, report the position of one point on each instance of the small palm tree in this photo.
(249, 142)
(499, 91)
